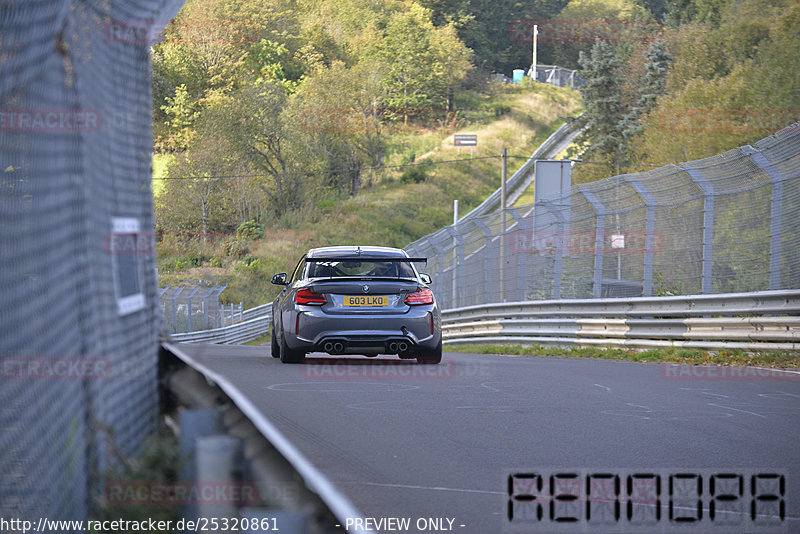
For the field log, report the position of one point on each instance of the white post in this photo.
(455, 254)
(503, 172)
(533, 68)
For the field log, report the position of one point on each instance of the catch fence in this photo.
(729, 223)
(188, 309)
(79, 310)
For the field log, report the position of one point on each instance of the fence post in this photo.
(522, 249)
(599, 243)
(649, 236)
(776, 218)
(487, 258)
(560, 225)
(459, 257)
(708, 226)
(175, 308)
(189, 307)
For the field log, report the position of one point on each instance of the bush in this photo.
(182, 262)
(415, 174)
(250, 230)
(236, 247)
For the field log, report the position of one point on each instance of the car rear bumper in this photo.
(418, 330)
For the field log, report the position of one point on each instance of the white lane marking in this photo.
(604, 387)
(779, 393)
(485, 385)
(707, 392)
(736, 410)
(772, 369)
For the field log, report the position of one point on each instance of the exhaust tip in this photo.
(402, 346)
(338, 347)
(392, 347)
(328, 346)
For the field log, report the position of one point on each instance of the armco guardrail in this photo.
(258, 311)
(248, 330)
(758, 320)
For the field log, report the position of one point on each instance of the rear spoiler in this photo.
(366, 258)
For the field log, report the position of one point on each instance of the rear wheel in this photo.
(432, 357)
(276, 350)
(290, 356)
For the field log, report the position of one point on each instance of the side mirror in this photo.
(279, 279)
(425, 279)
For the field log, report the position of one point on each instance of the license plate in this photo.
(366, 300)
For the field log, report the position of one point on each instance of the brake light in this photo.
(421, 296)
(309, 298)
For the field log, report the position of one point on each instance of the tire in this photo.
(433, 357)
(290, 356)
(276, 350)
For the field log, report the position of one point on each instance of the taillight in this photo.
(309, 298)
(421, 296)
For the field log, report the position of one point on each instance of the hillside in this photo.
(411, 197)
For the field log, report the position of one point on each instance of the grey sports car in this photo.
(356, 300)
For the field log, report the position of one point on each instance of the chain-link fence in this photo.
(728, 223)
(79, 311)
(558, 76)
(188, 309)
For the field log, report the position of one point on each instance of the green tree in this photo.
(731, 83)
(191, 199)
(603, 103)
(341, 113)
(255, 126)
(409, 57)
(181, 112)
(654, 84)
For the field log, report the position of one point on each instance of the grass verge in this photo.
(733, 357)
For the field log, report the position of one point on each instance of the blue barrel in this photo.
(518, 75)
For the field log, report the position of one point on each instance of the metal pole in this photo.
(455, 253)
(503, 174)
(533, 68)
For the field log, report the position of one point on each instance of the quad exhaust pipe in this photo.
(333, 347)
(398, 347)
(394, 346)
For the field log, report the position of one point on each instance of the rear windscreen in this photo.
(390, 269)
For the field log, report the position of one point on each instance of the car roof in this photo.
(356, 251)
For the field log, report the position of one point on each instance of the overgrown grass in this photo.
(732, 357)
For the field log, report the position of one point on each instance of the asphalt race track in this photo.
(435, 445)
